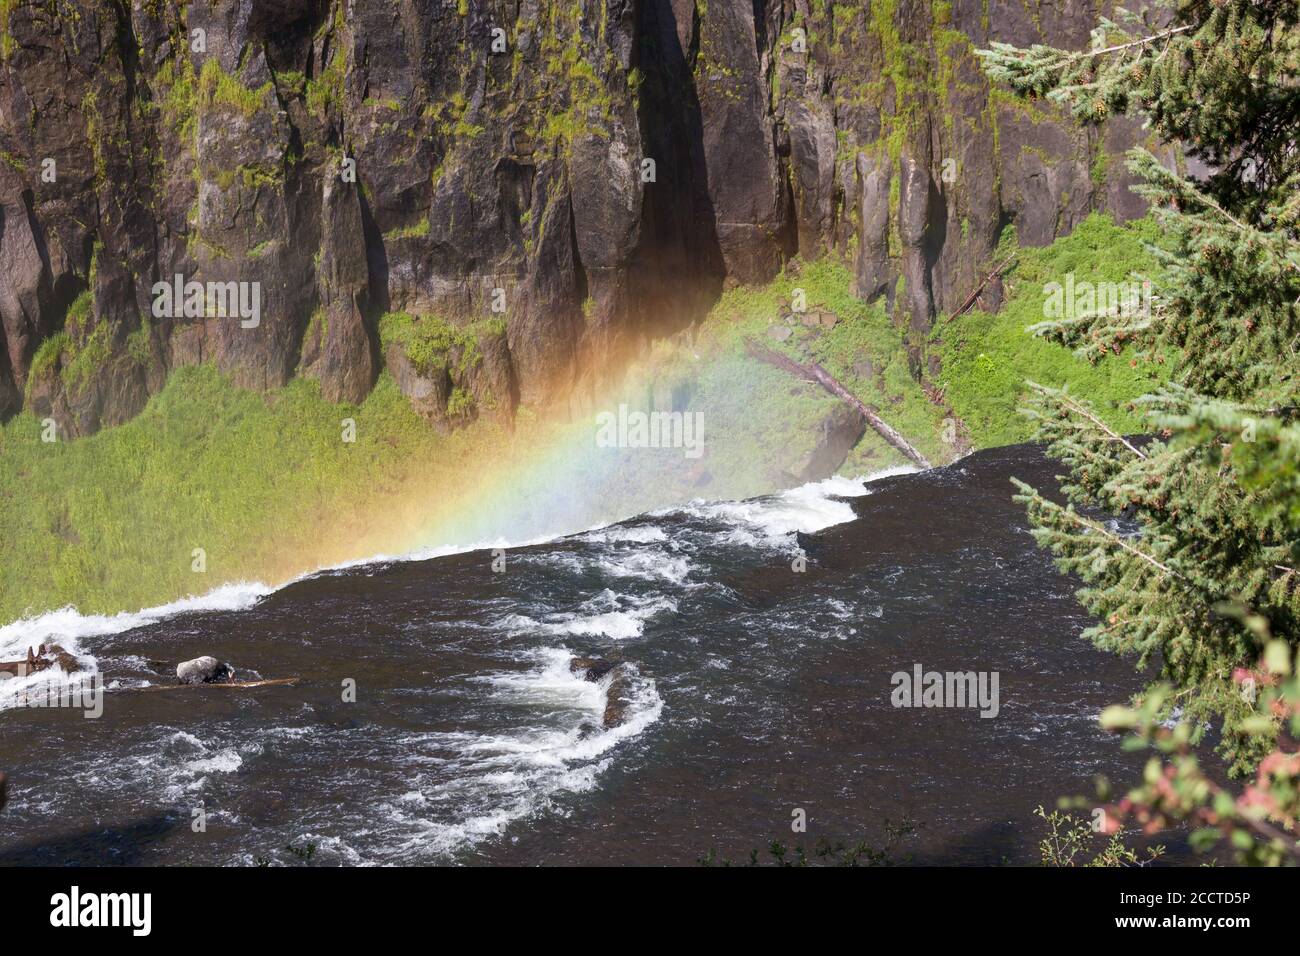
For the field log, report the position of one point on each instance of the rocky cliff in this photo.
(501, 200)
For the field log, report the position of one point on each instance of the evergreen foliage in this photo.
(1198, 571)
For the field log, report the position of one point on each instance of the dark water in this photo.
(756, 690)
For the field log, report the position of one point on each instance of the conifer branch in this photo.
(1065, 399)
(1142, 41)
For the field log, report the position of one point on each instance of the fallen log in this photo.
(237, 684)
(971, 299)
(813, 372)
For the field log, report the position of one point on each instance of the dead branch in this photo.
(815, 373)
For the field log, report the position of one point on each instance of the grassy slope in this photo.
(266, 486)
(987, 358)
(110, 521)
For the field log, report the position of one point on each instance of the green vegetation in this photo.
(430, 343)
(325, 90)
(74, 353)
(180, 97)
(7, 7)
(217, 88)
(81, 361)
(863, 336)
(415, 230)
(1205, 583)
(587, 105)
(1071, 841)
(47, 357)
(988, 359)
(109, 521)
(826, 853)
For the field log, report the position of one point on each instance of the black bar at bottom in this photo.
(369, 905)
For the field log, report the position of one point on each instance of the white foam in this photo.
(504, 778)
(808, 508)
(68, 627)
(648, 564)
(610, 615)
(618, 534)
(67, 624)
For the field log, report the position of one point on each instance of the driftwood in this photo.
(974, 296)
(235, 684)
(813, 372)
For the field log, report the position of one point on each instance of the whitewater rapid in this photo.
(448, 790)
(768, 521)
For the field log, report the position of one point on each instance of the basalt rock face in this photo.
(576, 178)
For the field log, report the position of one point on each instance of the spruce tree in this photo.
(1188, 540)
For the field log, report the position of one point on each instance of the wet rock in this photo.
(617, 699)
(617, 695)
(864, 368)
(591, 668)
(819, 319)
(204, 670)
(809, 544)
(4, 789)
(837, 433)
(873, 273)
(427, 394)
(62, 659)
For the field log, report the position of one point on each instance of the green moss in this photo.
(325, 91)
(291, 83)
(318, 327)
(430, 343)
(460, 403)
(494, 327)
(584, 105)
(49, 355)
(95, 134)
(82, 361)
(415, 230)
(179, 97)
(218, 89)
(138, 342)
(773, 415)
(1099, 169)
(260, 175)
(7, 7)
(79, 313)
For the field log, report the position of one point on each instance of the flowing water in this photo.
(753, 690)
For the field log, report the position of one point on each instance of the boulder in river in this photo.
(617, 696)
(204, 670)
(64, 660)
(591, 668)
(617, 699)
(808, 544)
